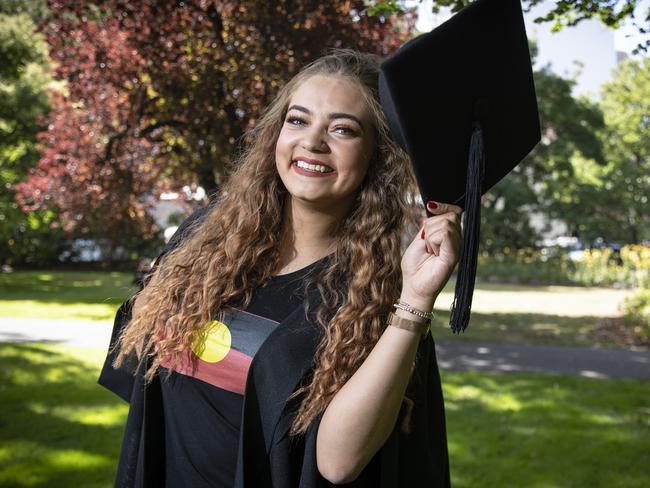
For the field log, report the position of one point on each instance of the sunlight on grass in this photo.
(101, 312)
(547, 430)
(521, 328)
(571, 301)
(107, 415)
(59, 427)
(57, 295)
(74, 459)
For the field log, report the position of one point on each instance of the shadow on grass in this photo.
(485, 285)
(67, 287)
(58, 427)
(526, 328)
(547, 431)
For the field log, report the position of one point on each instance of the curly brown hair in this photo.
(235, 248)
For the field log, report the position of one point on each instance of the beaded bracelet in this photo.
(408, 308)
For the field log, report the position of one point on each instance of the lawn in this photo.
(80, 295)
(528, 314)
(547, 431)
(61, 429)
(560, 315)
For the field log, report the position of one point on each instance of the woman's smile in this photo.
(312, 170)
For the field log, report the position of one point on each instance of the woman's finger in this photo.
(435, 230)
(437, 208)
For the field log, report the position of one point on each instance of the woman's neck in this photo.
(307, 236)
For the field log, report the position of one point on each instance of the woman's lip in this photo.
(311, 161)
(306, 172)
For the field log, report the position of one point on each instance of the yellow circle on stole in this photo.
(214, 343)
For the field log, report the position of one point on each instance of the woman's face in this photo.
(327, 123)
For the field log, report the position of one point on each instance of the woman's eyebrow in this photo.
(335, 115)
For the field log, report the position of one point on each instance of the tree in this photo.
(565, 13)
(598, 164)
(24, 79)
(541, 182)
(159, 94)
(613, 199)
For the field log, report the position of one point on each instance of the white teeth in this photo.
(314, 167)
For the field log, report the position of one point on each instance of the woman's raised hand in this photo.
(433, 254)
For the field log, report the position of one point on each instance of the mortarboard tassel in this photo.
(462, 304)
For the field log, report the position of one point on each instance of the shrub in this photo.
(598, 267)
(636, 312)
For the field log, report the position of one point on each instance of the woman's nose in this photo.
(313, 140)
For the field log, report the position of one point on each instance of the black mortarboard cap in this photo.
(461, 101)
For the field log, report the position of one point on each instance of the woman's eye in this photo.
(291, 120)
(341, 129)
(346, 130)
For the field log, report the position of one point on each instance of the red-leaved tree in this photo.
(158, 94)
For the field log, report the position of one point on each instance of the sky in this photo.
(590, 43)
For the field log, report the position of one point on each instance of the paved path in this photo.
(520, 358)
(452, 355)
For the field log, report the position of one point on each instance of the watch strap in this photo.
(412, 325)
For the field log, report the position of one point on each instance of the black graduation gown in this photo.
(267, 456)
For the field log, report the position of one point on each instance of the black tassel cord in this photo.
(461, 307)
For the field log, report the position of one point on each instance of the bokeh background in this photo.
(118, 118)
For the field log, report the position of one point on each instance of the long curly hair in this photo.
(235, 248)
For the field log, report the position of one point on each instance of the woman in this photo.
(310, 220)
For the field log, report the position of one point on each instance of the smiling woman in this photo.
(260, 343)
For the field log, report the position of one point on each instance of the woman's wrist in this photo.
(415, 301)
(416, 310)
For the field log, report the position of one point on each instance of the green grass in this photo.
(82, 295)
(523, 314)
(522, 328)
(547, 431)
(60, 429)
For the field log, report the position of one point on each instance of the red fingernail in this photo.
(422, 235)
(432, 205)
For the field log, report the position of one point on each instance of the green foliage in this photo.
(25, 238)
(540, 183)
(567, 13)
(598, 267)
(591, 169)
(611, 200)
(636, 310)
(385, 9)
(626, 106)
(35, 9)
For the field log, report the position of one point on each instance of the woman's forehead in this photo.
(330, 94)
